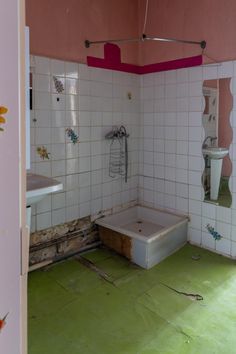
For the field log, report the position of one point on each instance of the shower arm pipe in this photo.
(144, 37)
(126, 135)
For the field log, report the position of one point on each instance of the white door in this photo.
(13, 280)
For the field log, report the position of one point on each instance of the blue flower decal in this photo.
(213, 232)
(72, 135)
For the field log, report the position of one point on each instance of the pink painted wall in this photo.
(58, 28)
(211, 83)
(212, 20)
(224, 128)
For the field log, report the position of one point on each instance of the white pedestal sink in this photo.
(216, 155)
(39, 186)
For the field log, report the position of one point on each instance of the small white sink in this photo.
(39, 186)
(215, 153)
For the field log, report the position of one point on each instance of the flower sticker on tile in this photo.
(72, 135)
(129, 95)
(3, 110)
(58, 85)
(213, 232)
(3, 322)
(43, 153)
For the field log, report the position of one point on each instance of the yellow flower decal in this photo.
(43, 153)
(3, 110)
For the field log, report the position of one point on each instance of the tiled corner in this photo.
(90, 101)
(171, 121)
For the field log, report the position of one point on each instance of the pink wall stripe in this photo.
(172, 65)
(112, 61)
(102, 63)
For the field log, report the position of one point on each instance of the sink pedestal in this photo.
(216, 166)
(216, 155)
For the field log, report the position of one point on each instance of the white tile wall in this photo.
(93, 101)
(164, 119)
(172, 133)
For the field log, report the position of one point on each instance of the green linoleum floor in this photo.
(74, 311)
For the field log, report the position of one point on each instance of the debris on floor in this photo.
(89, 264)
(196, 257)
(189, 295)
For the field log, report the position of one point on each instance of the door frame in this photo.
(25, 232)
(14, 235)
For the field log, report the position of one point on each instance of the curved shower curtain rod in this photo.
(144, 37)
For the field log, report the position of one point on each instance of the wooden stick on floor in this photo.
(87, 263)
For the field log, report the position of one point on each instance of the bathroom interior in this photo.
(131, 181)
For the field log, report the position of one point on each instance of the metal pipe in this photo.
(68, 237)
(202, 43)
(89, 43)
(143, 38)
(124, 132)
(57, 259)
(126, 158)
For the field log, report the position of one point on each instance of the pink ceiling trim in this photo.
(112, 61)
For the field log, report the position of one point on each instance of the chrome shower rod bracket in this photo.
(143, 38)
